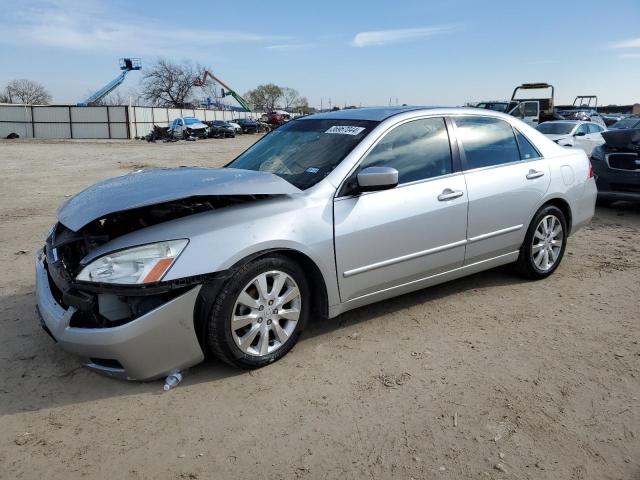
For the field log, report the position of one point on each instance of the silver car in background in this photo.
(146, 273)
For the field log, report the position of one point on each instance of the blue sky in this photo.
(356, 52)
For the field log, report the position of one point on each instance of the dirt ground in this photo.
(486, 377)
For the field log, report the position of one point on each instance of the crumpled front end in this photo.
(130, 332)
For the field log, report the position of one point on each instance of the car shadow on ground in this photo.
(40, 375)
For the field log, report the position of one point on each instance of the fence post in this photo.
(108, 121)
(135, 121)
(33, 125)
(70, 122)
(126, 118)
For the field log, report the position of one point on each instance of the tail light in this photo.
(591, 174)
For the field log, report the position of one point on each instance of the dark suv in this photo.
(248, 125)
(220, 129)
(617, 166)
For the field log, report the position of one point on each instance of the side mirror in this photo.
(579, 134)
(372, 179)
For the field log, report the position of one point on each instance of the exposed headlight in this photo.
(144, 264)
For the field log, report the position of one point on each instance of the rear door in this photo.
(506, 180)
(528, 111)
(386, 238)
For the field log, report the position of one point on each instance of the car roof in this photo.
(368, 113)
(573, 122)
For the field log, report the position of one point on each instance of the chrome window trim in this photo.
(375, 143)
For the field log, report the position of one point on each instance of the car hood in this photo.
(196, 125)
(154, 186)
(556, 137)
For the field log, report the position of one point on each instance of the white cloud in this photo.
(92, 26)
(630, 43)
(289, 47)
(386, 37)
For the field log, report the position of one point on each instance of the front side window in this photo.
(303, 152)
(486, 141)
(418, 149)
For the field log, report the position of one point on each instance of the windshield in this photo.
(496, 106)
(191, 121)
(303, 152)
(631, 122)
(551, 128)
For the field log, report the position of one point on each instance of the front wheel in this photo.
(544, 244)
(260, 313)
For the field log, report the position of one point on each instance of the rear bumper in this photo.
(146, 348)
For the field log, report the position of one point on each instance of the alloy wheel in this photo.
(547, 243)
(266, 313)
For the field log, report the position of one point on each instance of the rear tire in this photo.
(544, 244)
(250, 323)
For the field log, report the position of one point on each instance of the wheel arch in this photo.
(209, 291)
(564, 207)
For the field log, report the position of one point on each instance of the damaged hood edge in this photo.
(154, 186)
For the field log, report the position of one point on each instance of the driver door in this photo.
(528, 111)
(387, 238)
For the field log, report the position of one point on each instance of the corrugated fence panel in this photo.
(91, 130)
(89, 114)
(51, 114)
(52, 130)
(15, 113)
(21, 128)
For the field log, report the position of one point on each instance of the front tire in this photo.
(259, 313)
(544, 245)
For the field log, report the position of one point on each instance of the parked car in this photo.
(278, 118)
(495, 106)
(236, 127)
(617, 166)
(248, 125)
(573, 133)
(632, 121)
(186, 127)
(144, 273)
(611, 118)
(220, 128)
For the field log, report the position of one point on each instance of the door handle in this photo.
(448, 194)
(534, 174)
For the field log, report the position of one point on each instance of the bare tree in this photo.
(265, 97)
(169, 84)
(290, 98)
(26, 91)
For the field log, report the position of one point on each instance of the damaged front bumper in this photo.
(148, 347)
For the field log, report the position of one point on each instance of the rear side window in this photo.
(418, 150)
(527, 150)
(486, 141)
(594, 128)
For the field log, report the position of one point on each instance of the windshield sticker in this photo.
(312, 170)
(345, 130)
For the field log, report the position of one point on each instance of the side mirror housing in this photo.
(372, 179)
(579, 134)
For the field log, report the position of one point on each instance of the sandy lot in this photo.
(543, 379)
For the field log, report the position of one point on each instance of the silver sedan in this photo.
(144, 274)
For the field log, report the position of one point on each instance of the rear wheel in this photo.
(544, 244)
(260, 313)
